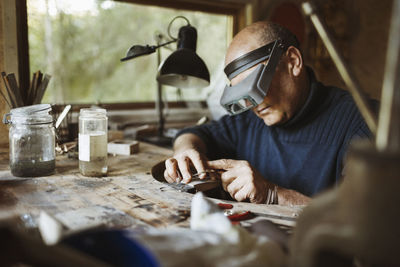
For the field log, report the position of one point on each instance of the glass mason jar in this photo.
(93, 142)
(32, 141)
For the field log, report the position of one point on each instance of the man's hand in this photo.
(189, 153)
(183, 162)
(241, 180)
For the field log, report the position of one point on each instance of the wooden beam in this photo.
(216, 7)
(3, 106)
(133, 105)
(15, 41)
(23, 46)
(10, 45)
(238, 10)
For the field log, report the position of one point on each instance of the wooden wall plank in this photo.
(3, 106)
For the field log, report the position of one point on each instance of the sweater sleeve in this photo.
(361, 132)
(221, 137)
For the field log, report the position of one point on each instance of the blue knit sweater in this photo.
(305, 154)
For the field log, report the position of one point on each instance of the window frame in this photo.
(20, 21)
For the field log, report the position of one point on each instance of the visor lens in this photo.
(239, 106)
(244, 102)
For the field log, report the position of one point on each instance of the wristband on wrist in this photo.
(272, 196)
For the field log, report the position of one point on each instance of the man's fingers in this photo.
(171, 169)
(241, 195)
(198, 165)
(226, 179)
(180, 167)
(221, 164)
(184, 168)
(235, 186)
(168, 178)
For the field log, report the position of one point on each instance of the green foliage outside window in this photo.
(80, 44)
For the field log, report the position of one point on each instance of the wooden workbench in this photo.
(128, 197)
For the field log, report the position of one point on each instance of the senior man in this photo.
(287, 132)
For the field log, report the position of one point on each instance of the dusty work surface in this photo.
(128, 197)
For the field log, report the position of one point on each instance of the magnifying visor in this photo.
(251, 91)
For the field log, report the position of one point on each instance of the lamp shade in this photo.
(184, 69)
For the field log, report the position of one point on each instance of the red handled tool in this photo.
(235, 217)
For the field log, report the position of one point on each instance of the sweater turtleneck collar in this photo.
(312, 101)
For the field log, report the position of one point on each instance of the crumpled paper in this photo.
(211, 241)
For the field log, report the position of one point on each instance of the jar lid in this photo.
(92, 112)
(29, 110)
(34, 114)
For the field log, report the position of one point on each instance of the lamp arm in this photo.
(164, 44)
(140, 50)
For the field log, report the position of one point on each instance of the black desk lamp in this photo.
(182, 69)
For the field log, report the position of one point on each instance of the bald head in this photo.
(256, 35)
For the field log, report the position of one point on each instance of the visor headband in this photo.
(249, 60)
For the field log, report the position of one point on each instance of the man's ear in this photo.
(295, 60)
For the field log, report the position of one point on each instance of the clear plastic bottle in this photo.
(93, 142)
(32, 141)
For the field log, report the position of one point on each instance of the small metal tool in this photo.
(182, 187)
(197, 183)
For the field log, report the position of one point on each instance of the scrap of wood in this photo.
(42, 89)
(12, 81)
(37, 83)
(31, 92)
(123, 147)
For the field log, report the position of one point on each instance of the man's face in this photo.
(279, 104)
